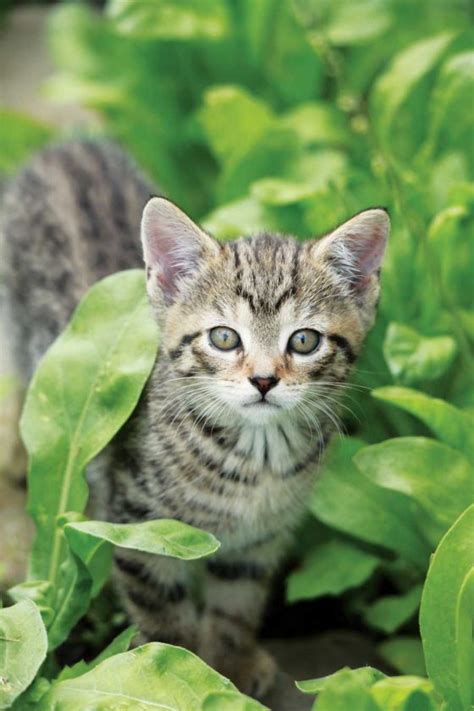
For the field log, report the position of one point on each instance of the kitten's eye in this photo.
(305, 341)
(226, 339)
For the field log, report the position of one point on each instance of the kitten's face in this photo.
(265, 327)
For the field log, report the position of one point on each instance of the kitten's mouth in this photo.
(261, 403)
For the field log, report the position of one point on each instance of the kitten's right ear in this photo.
(174, 247)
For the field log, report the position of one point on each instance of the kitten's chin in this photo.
(260, 412)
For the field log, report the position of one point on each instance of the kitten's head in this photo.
(261, 326)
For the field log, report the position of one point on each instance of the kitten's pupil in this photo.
(225, 339)
(305, 341)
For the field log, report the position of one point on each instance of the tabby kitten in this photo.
(258, 336)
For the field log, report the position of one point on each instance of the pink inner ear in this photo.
(358, 245)
(368, 250)
(172, 244)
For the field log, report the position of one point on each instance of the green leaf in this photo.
(391, 612)
(404, 73)
(449, 423)
(319, 576)
(366, 676)
(437, 477)
(347, 689)
(84, 389)
(447, 612)
(237, 218)
(317, 123)
(231, 105)
(405, 654)
(312, 173)
(451, 97)
(72, 599)
(155, 676)
(23, 646)
(20, 135)
(162, 537)
(120, 644)
(276, 152)
(404, 693)
(346, 500)
(358, 23)
(40, 592)
(164, 19)
(413, 358)
(230, 701)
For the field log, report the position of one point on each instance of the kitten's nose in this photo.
(265, 383)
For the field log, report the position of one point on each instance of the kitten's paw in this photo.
(253, 671)
(256, 676)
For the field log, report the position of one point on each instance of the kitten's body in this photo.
(191, 451)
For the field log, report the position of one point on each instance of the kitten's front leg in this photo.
(155, 593)
(237, 590)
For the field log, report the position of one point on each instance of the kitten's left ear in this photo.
(174, 247)
(356, 248)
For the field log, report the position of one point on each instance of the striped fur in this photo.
(192, 449)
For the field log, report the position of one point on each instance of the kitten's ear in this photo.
(173, 247)
(356, 248)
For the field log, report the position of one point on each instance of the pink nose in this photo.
(264, 384)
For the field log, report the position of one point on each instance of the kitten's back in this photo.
(69, 218)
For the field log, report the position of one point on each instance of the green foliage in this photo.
(286, 115)
(391, 612)
(319, 576)
(23, 645)
(447, 637)
(84, 389)
(19, 136)
(162, 537)
(175, 679)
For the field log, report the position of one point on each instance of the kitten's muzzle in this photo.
(264, 383)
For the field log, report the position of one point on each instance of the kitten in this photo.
(257, 337)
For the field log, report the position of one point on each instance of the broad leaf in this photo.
(84, 389)
(20, 135)
(167, 20)
(346, 500)
(317, 123)
(155, 676)
(120, 644)
(447, 637)
(404, 693)
(391, 612)
(449, 423)
(72, 598)
(161, 537)
(405, 71)
(23, 646)
(347, 689)
(413, 358)
(367, 676)
(437, 477)
(230, 105)
(319, 575)
(405, 654)
(41, 592)
(230, 701)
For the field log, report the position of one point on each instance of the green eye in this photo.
(223, 338)
(305, 341)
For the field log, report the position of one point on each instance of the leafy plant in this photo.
(287, 115)
(447, 643)
(83, 391)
